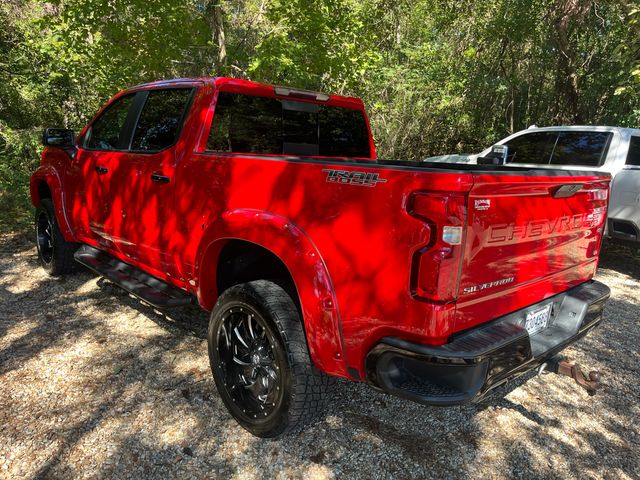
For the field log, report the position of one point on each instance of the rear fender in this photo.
(298, 253)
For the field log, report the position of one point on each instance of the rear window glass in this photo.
(251, 124)
(581, 148)
(633, 157)
(161, 119)
(533, 147)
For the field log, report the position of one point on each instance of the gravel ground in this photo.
(96, 384)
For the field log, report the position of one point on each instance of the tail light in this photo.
(436, 266)
(597, 219)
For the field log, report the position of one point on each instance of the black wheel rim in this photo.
(44, 240)
(249, 364)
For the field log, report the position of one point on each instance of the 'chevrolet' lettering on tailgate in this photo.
(539, 228)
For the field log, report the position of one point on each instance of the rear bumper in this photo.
(483, 358)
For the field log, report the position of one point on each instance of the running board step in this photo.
(149, 288)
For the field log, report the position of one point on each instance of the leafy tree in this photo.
(437, 76)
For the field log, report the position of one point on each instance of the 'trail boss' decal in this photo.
(364, 179)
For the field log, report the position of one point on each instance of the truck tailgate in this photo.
(527, 238)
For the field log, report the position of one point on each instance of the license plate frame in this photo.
(537, 320)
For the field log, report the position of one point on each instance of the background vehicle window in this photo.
(633, 157)
(250, 124)
(580, 148)
(161, 119)
(106, 130)
(533, 147)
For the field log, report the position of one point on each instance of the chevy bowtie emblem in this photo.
(363, 179)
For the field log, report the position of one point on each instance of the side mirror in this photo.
(58, 137)
(497, 156)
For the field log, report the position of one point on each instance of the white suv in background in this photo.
(610, 149)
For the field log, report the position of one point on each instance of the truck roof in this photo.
(625, 131)
(248, 86)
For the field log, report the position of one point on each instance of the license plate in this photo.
(538, 319)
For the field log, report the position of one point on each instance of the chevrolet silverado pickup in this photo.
(267, 206)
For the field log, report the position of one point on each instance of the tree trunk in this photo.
(569, 15)
(215, 14)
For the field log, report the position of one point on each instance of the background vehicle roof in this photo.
(591, 128)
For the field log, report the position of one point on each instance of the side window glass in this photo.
(581, 148)
(535, 148)
(246, 124)
(161, 119)
(106, 131)
(633, 157)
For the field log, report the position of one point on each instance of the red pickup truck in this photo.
(268, 207)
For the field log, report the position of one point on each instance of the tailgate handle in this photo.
(156, 177)
(569, 190)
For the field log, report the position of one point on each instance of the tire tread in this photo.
(311, 387)
(63, 261)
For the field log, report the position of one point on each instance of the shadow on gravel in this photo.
(190, 320)
(190, 433)
(620, 258)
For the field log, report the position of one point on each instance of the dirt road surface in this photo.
(95, 384)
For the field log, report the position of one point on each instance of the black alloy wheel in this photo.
(248, 362)
(44, 237)
(260, 360)
(54, 252)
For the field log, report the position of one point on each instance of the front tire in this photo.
(260, 361)
(54, 252)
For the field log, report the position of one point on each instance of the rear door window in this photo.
(581, 148)
(264, 125)
(107, 131)
(161, 119)
(535, 147)
(247, 124)
(633, 157)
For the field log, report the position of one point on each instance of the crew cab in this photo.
(268, 207)
(614, 150)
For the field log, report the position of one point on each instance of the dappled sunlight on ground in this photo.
(97, 384)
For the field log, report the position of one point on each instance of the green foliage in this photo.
(323, 45)
(436, 76)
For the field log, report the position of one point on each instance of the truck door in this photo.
(148, 213)
(101, 153)
(624, 209)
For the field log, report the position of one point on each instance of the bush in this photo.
(19, 157)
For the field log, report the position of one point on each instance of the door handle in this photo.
(156, 177)
(101, 170)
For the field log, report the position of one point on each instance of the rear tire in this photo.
(54, 252)
(260, 361)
